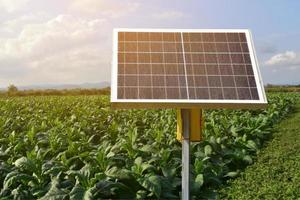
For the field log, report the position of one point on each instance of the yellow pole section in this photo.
(179, 126)
(196, 125)
(196, 122)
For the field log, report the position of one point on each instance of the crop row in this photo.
(78, 148)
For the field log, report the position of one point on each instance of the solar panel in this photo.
(176, 68)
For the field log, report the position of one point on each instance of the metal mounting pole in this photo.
(186, 154)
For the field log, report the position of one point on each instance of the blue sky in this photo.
(69, 41)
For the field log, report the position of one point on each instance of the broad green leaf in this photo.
(19, 193)
(15, 178)
(248, 159)
(152, 184)
(147, 148)
(252, 145)
(232, 174)
(110, 154)
(169, 172)
(54, 193)
(138, 161)
(199, 180)
(147, 167)
(25, 164)
(208, 150)
(80, 193)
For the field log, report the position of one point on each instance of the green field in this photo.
(76, 147)
(275, 174)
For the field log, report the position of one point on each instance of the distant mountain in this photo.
(98, 85)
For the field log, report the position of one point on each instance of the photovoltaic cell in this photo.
(185, 65)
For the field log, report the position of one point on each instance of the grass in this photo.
(276, 173)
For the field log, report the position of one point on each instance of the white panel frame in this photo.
(186, 103)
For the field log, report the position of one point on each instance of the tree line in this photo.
(12, 90)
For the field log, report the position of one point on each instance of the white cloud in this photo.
(112, 8)
(288, 59)
(168, 15)
(281, 58)
(22, 20)
(13, 26)
(12, 5)
(64, 49)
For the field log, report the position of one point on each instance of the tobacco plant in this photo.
(78, 148)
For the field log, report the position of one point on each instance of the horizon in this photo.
(70, 41)
(84, 85)
(97, 85)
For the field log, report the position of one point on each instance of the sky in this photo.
(70, 41)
